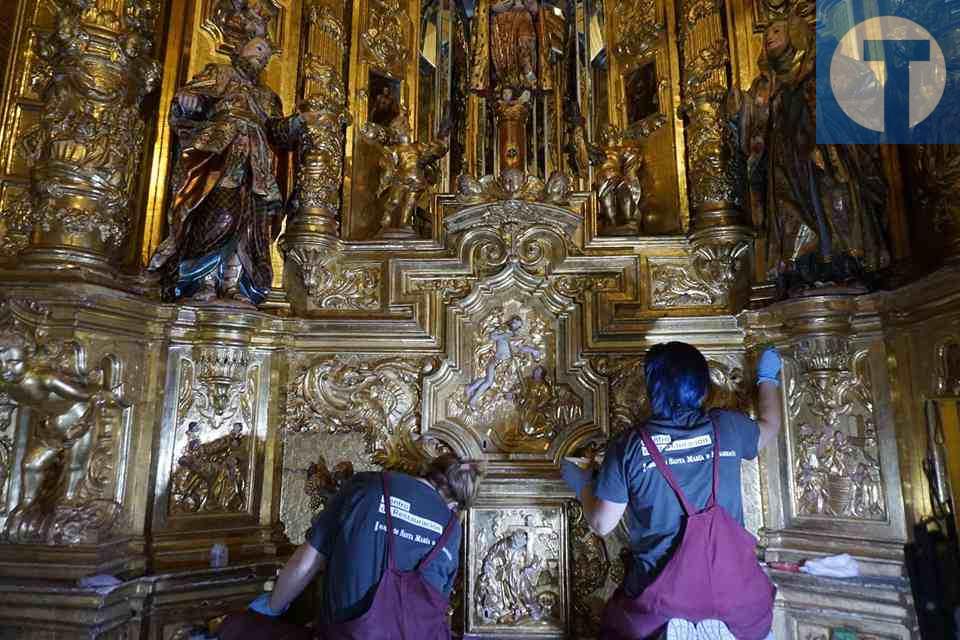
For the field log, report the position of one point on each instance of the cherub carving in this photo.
(407, 170)
(505, 343)
(65, 404)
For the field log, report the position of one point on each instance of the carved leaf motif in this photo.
(186, 392)
(590, 569)
(336, 285)
(386, 37)
(375, 397)
(639, 30)
(678, 286)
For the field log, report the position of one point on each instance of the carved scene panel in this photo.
(65, 422)
(219, 413)
(517, 580)
(508, 382)
(837, 471)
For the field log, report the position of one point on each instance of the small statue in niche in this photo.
(407, 170)
(820, 207)
(226, 200)
(522, 39)
(66, 404)
(504, 345)
(507, 591)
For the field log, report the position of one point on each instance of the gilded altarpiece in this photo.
(508, 321)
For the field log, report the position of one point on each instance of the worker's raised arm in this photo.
(770, 402)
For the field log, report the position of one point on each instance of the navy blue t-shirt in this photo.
(350, 533)
(654, 514)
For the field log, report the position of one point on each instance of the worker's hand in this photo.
(576, 477)
(768, 366)
(262, 605)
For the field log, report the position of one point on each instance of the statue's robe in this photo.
(225, 190)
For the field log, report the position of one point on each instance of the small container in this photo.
(219, 556)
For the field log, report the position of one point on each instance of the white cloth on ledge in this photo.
(679, 629)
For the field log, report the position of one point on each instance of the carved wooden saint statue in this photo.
(407, 170)
(226, 199)
(821, 207)
(522, 38)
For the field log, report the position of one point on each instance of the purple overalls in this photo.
(712, 575)
(405, 606)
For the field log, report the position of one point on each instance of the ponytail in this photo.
(457, 480)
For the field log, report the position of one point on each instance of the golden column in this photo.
(312, 237)
(720, 232)
(84, 153)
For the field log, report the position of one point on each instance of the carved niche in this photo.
(362, 410)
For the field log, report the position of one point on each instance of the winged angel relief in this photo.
(514, 394)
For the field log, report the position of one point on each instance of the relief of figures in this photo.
(226, 204)
(211, 476)
(513, 395)
(820, 207)
(67, 463)
(838, 474)
(518, 580)
(407, 170)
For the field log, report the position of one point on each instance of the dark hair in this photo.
(457, 480)
(677, 378)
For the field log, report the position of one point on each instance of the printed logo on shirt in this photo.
(665, 445)
(688, 459)
(400, 509)
(400, 532)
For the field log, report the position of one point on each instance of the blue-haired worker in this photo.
(653, 489)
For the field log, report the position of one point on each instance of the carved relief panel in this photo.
(510, 383)
(835, 473)
(214, 442)
(517, 571)
(64, 433)
(838, 471)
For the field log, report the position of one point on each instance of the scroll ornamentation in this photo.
(377, 397)
(334, 284)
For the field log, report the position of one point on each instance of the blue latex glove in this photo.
(262, 605)
(575, 477)
(768, 366)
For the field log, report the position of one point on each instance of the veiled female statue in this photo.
(821, 208)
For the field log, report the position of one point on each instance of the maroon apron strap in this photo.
(716, 464)
(389, 519)
(665, 471)
(441, 543)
